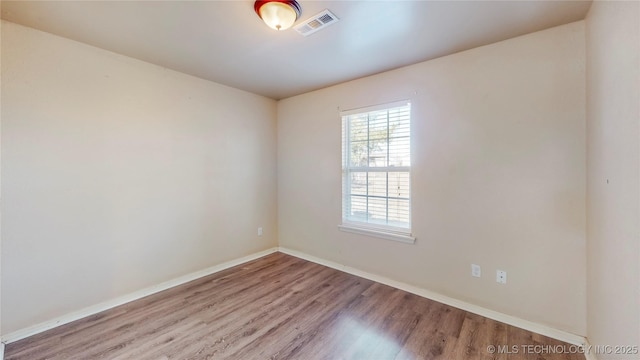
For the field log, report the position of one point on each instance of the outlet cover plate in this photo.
(476, 271)
(501, 276)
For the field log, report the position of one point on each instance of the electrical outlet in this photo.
(501, 276)
(259, 231)
(475, 270)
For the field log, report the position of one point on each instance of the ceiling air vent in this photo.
(316, 23)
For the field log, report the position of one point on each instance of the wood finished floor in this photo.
(282, 307)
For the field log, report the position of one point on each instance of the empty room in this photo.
(362, 180)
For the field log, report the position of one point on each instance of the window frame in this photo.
(384, 231)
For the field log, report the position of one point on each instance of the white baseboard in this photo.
(491, 314)
(91, 310)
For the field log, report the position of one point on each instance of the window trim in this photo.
(388, 232)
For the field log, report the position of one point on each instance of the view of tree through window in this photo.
(376, 166)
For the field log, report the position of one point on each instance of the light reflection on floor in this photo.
(368, 343)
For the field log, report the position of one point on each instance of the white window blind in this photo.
(376, 153)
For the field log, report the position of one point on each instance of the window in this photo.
(376, 170)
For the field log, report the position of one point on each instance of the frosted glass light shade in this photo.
(278, 15)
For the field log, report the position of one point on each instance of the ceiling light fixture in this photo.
(278, 14)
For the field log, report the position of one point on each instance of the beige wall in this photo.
(118, 175)
(613, 193)
(498, 176)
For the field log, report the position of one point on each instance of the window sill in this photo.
(387, 235)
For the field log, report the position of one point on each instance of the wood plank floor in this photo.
(282, 307)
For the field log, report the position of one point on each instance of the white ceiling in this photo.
(226, 42)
